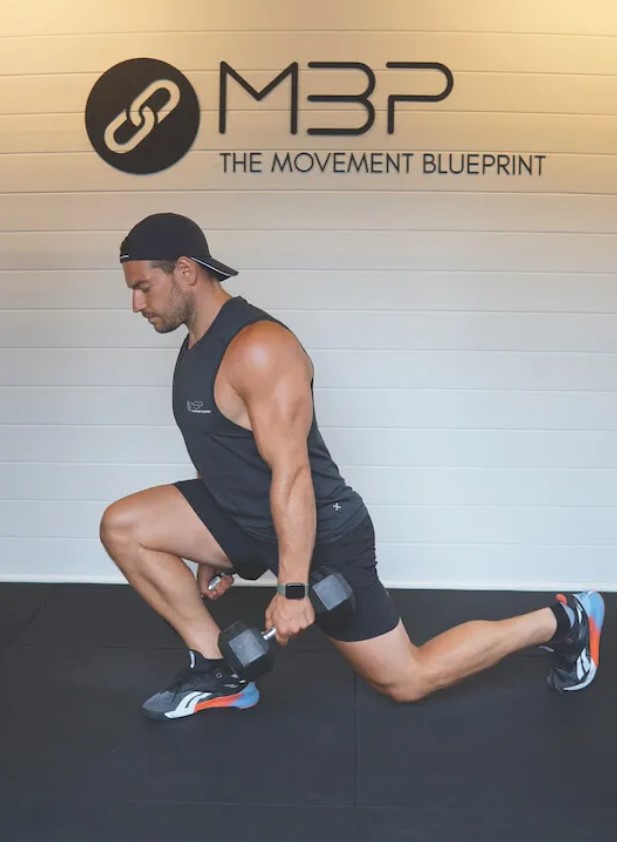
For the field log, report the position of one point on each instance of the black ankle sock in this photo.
(565, 619)
(197, 661)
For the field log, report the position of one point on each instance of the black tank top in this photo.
(225, 454)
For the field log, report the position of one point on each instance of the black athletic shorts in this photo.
(353, 555)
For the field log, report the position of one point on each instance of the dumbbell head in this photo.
(247, 652)
(332, 597)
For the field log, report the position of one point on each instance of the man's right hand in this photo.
(205, 574)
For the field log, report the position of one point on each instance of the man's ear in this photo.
(186, 271)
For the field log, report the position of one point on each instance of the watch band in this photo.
(293, 590)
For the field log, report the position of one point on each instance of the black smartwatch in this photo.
(293, 590)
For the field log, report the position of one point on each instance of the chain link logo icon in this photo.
(142, 116)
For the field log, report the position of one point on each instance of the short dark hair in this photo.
(166, 266)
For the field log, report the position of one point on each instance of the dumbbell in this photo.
(224, 574)
(248, 650)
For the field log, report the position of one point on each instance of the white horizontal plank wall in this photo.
(463, 327)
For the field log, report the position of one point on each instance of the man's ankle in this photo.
(197, 660)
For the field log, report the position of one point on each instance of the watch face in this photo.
(295, 591)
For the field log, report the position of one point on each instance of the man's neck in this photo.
(209, 305)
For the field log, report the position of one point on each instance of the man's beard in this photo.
(179, 313)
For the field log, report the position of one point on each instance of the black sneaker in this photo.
(578, 654)
(203, 686)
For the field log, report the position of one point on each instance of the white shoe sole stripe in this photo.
(589, 678)
(187, 706)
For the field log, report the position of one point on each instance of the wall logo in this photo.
(142, 116)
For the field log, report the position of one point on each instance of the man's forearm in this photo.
(292, 502)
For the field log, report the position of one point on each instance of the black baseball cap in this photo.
(168, 236)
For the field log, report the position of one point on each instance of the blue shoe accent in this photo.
(248, 698)
(593, 603)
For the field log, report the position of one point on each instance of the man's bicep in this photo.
(281, 420)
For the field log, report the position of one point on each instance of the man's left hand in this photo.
(289, 617)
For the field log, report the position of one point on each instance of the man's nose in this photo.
(138, 301)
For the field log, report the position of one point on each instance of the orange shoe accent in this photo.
(219, 702)
(594, 641)
(561, 598)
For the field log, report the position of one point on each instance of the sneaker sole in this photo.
(245, 700)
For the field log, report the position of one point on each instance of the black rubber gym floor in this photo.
(322, 757)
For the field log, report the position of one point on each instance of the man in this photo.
(269, 496)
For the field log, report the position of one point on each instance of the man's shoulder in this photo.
(264, 337)
(265, 348)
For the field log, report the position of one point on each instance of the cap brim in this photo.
(223, 272)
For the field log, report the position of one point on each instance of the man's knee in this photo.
(117, 525)
(406, 689)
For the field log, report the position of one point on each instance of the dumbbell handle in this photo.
(268, 635)
(219, 578)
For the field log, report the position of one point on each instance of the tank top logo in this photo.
(197, 408)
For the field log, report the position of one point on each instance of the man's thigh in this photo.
(161, 519)
(385, 661)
